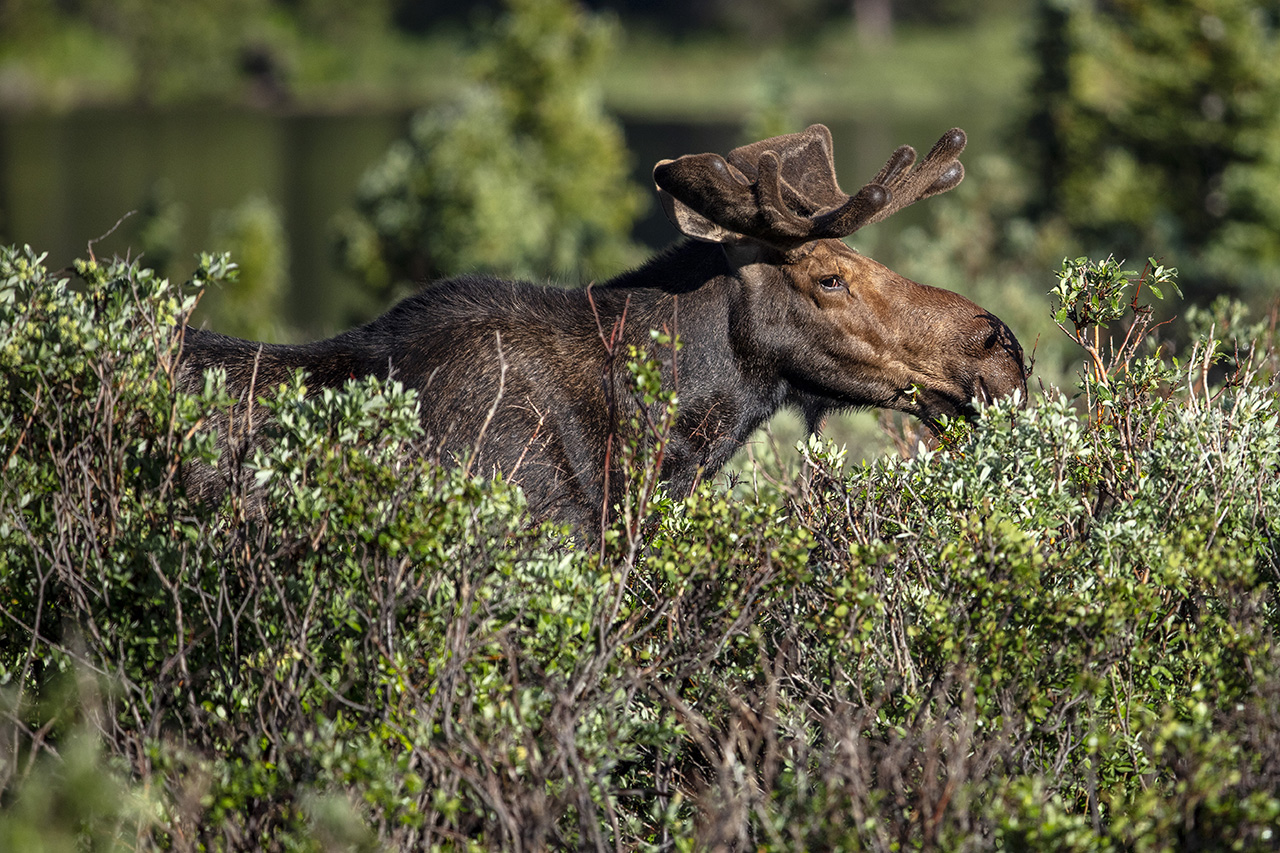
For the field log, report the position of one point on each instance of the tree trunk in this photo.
(873, 20)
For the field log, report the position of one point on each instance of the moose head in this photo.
(772, 309)
(849, 331)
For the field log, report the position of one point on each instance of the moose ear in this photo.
(694, 224)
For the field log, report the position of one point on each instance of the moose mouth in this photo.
(931, 405)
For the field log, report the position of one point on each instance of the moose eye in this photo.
(833, 282)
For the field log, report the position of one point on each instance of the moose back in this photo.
(772, 310)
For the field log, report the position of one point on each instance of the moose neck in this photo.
(725, 390)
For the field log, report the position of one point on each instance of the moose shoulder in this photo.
(772, 310)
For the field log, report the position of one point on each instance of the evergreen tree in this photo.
(523, 175)
(1157, 132)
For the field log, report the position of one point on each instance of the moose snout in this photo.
(1001, 369)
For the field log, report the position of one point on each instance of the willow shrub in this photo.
(1054, 630)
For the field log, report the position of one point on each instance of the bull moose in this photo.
(772, 309)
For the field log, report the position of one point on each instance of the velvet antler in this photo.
(783, 191)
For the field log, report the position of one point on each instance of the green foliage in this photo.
(523, 175)
(246, 305)
(160, 222)
(76, 801)
(343, 20)
(1158, 131)
(1055, 629)
(188, 49)
(1093, 296)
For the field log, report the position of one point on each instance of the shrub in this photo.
(1055, 629)
(248, 306)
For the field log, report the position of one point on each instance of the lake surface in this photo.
(68, 179)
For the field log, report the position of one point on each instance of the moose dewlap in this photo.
(772, 310)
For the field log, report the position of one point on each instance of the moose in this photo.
(772, 310)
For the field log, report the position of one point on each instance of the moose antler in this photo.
(783, 191)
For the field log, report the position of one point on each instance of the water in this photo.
(68, 179)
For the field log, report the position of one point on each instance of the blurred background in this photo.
(345, 150)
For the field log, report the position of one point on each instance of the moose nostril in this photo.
(1001, 376)
(984, 393)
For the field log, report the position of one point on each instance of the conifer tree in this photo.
(1157, 132)
(523, 175)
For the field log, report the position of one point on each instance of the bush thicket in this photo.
(1055, 630)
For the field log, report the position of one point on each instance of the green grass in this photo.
(704, 77)
(395, 72)
(921, 72)
(63, 68)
